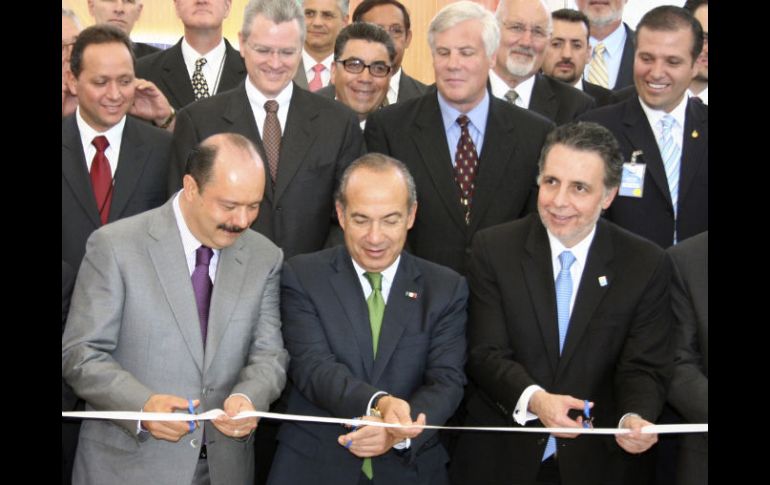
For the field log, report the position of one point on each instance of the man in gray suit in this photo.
(147, 331)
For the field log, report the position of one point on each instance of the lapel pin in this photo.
(634, 155)
(602, 281)
(695, 134)
(411, 294)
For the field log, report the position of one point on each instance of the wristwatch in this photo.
(374, 410)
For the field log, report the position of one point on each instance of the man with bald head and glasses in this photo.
(363, 64)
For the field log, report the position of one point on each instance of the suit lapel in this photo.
(399, 310)
(538, 274)
(174, 277)
(641, 137)
(174, 76)
(346, 286)
(694, 147)
(498, 139)
(543, 99)
(430, 139)
(297, 138)
(75, 170)
(300, 79)
(133, 156)
(231, 272)
(590, 292)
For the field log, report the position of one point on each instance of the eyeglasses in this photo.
(354, 65)
(263, 51)
(396, 31)
(518, 28)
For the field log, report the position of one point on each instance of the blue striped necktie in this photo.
(671, 154)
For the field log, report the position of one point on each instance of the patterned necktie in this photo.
(202, 286)
(563, 297)
(466, 166)
(199, 84)
(376, 305)
(597, 74)
(511, 96)
(101, 178)
(317, 82)
(671, 154)
(271, 137)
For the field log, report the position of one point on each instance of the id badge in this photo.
(632, 180)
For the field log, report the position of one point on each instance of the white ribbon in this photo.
(214, 413)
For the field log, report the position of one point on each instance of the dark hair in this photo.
(367, 5)
(379, 163)
(587, 136)
(693, 5)
(97, 34)
(573, 16)
(364, 31)
(669, 18)
(200, 161)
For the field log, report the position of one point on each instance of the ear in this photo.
(340, 214)
(609, 197)
(190, 187)
(91, 7)
(242, 44)
(411, 216)
(72, 82)
(407, 39)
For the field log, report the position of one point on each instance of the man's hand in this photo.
(236, 428)
(150, 103)
(635, 442)
(167, 430)
(552, 410)
(397, 411)
(368, 441)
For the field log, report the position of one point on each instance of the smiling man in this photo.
(565, 308)
(323, 19)
(123, 14)
(363, 64)
(667, 129)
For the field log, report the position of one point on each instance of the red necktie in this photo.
(466, 165)
(316, 83)
(101, 178)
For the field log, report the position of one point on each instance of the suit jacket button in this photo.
(194, 442)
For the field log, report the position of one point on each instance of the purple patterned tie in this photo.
(202, 286)
(466, 165)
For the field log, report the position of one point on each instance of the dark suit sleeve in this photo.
(186, 137)
(491, 360)
(644, 366)
(689, 388)
(444, 378)
(314, 368)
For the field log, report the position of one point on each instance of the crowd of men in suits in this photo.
(298, 225)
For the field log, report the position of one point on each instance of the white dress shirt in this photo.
(114, 137)
(215, 63)
(257, 101)
(613, 53)
(309, 62)
(523, 89)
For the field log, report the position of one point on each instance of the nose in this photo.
(375, 234)
(453, 60)
(113, 90)
(274, 59)
(656, 70)
(566, 51)
(560, 198)
(119, 6)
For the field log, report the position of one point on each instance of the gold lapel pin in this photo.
(695, 134)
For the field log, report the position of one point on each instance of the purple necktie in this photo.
(202, 286)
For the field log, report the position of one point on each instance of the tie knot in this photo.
(200, 63)
(511, 96)
(375, 279)
(463, 121)
(203, 256)
(271, 106)
(566, 258)
(101, 143)
(666, 123)
(318, 68)
(599, 49)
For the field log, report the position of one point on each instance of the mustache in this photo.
(527, 51)
(564, 62)
(228, 228)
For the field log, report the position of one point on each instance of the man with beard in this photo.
(569, 51)
(612, 41)
(323, 19)
(700, 84)
(525, 28)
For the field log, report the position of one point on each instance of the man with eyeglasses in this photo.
(323, 19)
(525, 29)
(393, 16)
(363, 59)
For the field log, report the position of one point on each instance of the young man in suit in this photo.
(689, 390)
(101, 184)
(372, 331)
(565, 307)
(525, 29)
(467, 178)
(667, 130)
(324, 19)
(306, 140)
(569, 51)
(393, 16)
(123, 14)
(202, 63)
(612, 44)
(178, 307)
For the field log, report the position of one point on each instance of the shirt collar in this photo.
(523, 89)
(395, 81)
(613, 43)
(190, 243)
(309, 62)
(87, 134)
(654, 115)
(388, 274)
(477, 114)
(256, 98)
(579, 250)
(213, 57)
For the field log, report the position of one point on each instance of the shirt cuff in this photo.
(521, 414)
(241, 394)
(403, 445)
(620, 423)
(371, 400)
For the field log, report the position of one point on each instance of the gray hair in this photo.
(277, 11)
(502, 8)
(377, 162)
(458, 12)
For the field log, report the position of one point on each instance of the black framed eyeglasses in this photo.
(355, 65)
